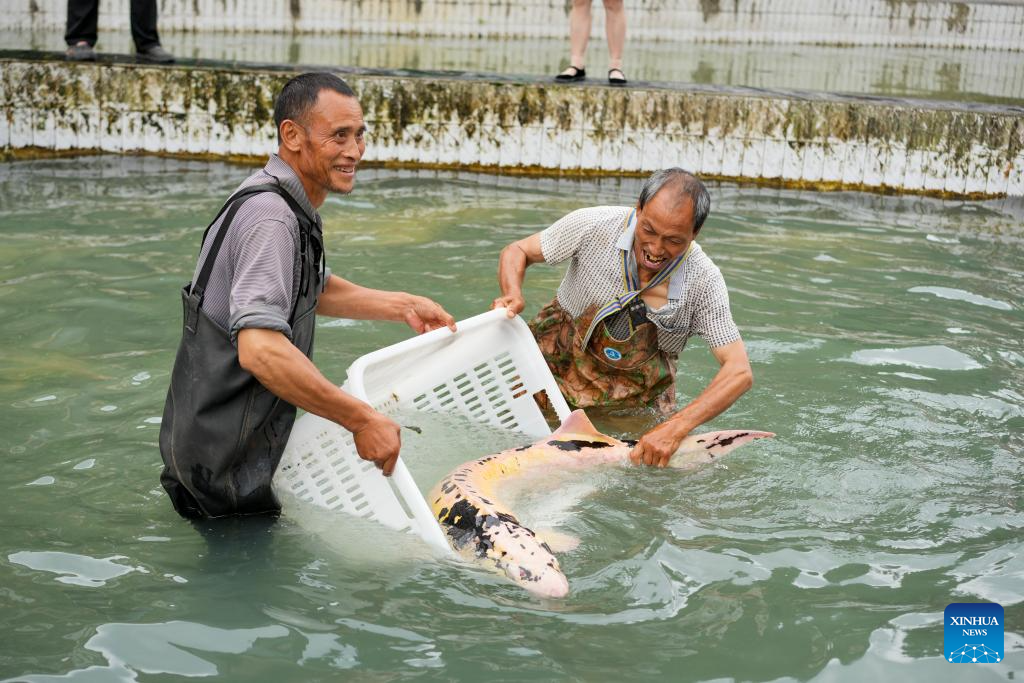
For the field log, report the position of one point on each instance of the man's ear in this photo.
(292, 135)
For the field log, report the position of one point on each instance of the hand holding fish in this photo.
(657, 446)
(378, 441)
(468, 502)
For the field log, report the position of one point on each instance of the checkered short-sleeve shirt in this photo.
(698, 301)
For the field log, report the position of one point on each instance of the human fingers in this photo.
(504, 302)
(388, 466)
(413, 320)
(434, 316)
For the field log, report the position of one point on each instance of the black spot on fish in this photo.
(547, 547)
(729, 440)
(462, 515)
(442, 513)
(578, 444)
(630, 442)
(505, 517)
(524, 448)
(447, 487)
(701, 440)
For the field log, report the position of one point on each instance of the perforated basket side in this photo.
(321, 466)
(494, 392)
(489, 371)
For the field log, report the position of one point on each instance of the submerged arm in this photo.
(732, 380)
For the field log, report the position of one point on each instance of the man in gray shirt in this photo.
(243, 365)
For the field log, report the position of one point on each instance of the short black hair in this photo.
(686, 185)
(299, 95)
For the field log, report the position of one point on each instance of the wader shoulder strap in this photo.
(229, 210)
(231, 206)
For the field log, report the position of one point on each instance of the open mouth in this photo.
(347, 170)
(652, 262)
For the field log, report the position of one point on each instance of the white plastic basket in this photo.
(488, 371)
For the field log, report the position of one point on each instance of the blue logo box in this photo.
(973, 633)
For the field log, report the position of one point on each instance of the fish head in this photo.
(527, 560)
(540, 578)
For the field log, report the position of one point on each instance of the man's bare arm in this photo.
(733, 379)
(512, 265)
(344, 299)
(291, 376)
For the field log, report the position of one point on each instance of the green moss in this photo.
(408, 110)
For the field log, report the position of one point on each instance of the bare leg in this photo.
(615, 29)
(579, 32)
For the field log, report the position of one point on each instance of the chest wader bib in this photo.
(609, 356)
(223, 432)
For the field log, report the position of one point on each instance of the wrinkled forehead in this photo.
(671, 212)
(334, 109)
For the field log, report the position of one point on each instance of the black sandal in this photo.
(576, 75)
(617, 80)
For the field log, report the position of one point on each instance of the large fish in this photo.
(466, 503)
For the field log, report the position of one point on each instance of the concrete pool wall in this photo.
(443, 120)
(985, 24)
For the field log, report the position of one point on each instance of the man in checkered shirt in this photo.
(638, 286)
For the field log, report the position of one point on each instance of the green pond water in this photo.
(886, 339)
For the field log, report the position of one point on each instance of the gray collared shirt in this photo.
(594, 238)
(255, 279)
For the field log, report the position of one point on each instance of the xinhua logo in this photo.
(973, 632)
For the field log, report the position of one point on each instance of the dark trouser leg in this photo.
(81, 24)
(143, 15)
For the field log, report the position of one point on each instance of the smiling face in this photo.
(327, 146)
(664, 230)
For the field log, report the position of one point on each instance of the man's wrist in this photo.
(680, 426)
(356, 415)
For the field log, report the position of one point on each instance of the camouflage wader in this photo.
(610, 370)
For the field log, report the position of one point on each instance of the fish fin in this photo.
(698, 449)
(557, 541)
(577, 423)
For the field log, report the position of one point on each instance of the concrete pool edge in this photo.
(967, 24)
(204, 109)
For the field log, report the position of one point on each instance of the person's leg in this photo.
(579, 34)
(143, 18)
(615, 29)
(81, 22)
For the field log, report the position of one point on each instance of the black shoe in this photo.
(571, 74)
(154, 55)
(618, 80)
(80, 52)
